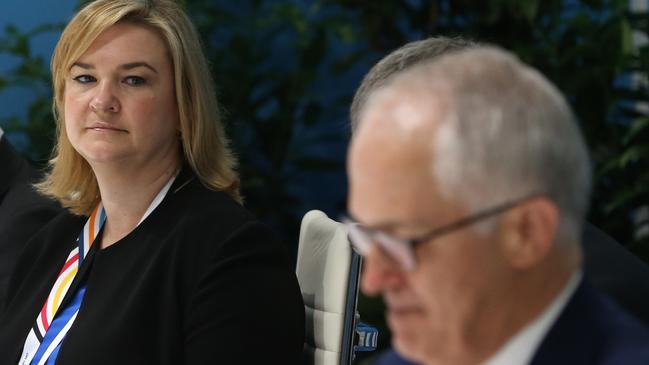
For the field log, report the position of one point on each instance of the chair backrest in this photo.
(328, 272)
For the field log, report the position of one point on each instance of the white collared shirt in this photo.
(519, 349)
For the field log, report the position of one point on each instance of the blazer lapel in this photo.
(570, 339)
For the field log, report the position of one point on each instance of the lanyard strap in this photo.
(60, 288)
(45, 337)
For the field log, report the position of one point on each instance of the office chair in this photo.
(328, 271)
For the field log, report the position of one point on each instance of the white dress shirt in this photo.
(518, 350)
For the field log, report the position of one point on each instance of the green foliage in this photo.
(30, 72)
(269, 60)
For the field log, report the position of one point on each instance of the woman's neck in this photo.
(126, 196)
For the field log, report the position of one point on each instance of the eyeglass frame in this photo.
(353, 228)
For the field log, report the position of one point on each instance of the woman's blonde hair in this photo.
(205, 147)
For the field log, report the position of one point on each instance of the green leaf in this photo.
(529, 9)
(620, 199)
(344, 31)
(17, 43)
(293, 15)
(627, 38)
(608, 167)
(633, 154)
(638, 126)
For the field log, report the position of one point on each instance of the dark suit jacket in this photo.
(591, 330)
(22, 210)
(615, 271)
(594, 330)
(199, 281)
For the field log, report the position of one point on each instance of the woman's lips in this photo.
(103, 127)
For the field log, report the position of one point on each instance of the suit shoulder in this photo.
(593, 329)
(622, 328)
(390, 357)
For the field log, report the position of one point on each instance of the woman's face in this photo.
(119, 103)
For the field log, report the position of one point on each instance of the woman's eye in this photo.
(84, 79)
(134, 80)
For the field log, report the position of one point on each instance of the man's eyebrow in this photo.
(381, 226)
(126, 66)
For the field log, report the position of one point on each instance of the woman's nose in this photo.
(105, 100)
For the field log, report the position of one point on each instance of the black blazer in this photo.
(200, 281)
(22, 210)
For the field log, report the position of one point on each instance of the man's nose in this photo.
(380, 273)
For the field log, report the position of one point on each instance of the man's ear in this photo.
(528, 232)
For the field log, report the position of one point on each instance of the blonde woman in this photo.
(154, 261)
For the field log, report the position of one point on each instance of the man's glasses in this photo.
(402, 251)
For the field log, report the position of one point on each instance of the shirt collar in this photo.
(158, 199)
(520, 348)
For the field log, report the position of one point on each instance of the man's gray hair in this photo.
(506, 132)
(401, 59)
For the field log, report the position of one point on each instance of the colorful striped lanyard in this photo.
(59, 290)
(44, 339)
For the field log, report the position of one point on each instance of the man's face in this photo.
(392, 189)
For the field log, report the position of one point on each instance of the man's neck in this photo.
(511, 309)
(520, 348)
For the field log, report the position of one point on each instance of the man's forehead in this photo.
(387, 164)
(391, 131)
(386, 186)
(401, 111)
(392, 185)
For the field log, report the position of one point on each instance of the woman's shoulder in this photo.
(57, 235)
(63, 224)
(196, 209)
(46, 248)
(197, 197)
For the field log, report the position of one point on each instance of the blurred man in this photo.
(608, 265)
(22, 210)
(469, 180)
